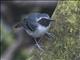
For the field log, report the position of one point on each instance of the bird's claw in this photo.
(50, 35)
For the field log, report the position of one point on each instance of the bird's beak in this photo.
(52, 20)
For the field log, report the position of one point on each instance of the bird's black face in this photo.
(44, 22)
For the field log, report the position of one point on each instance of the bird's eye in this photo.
(44, 22)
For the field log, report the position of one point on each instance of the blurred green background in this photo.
(64, 46)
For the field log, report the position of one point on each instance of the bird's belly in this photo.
(40, 32)
(37, 33)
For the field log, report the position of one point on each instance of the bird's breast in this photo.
(40, 31)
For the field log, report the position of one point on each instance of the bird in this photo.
(37, 25)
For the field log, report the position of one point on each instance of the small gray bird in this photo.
(37, 25)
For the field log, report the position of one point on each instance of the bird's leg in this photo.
(50, 35)
(38, 45)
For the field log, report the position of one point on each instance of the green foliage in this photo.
(6, 37)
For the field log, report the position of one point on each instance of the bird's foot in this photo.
(37, 44)
(50, 35)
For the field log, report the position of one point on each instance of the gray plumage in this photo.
(36, 24)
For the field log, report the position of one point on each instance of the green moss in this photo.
(66, 29)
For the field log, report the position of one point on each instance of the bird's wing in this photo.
(32, 26)
(29, 25)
